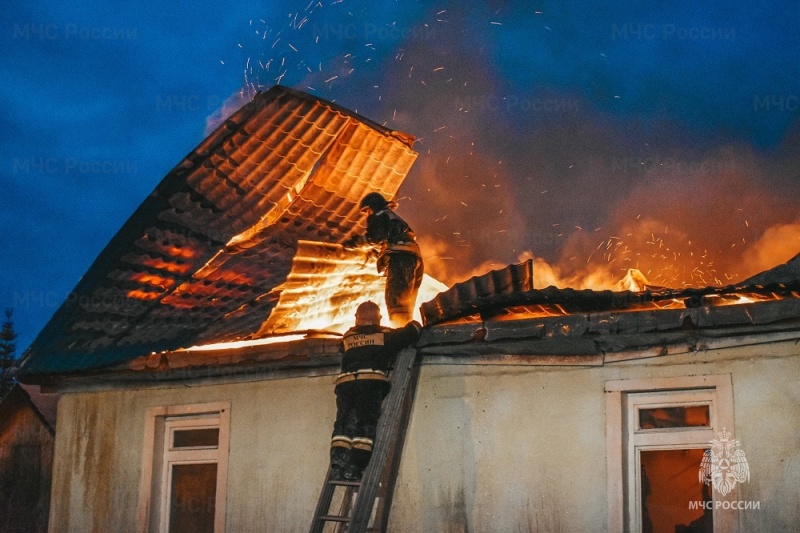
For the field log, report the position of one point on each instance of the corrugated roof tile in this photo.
(508, 294)
(169, 277)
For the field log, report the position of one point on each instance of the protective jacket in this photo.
(374, 348)
(391, 234)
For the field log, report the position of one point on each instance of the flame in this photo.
(738, 298)
(697, 225)
(326, 284)
(143, 295)
(546, 274)
(154, 280)
(324, 318)
(660, 255)
(244, 344)
(633, 281)
(159, 264)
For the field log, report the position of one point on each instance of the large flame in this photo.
(326, 284)
(665, 258)
(702, 219)
(322, 292)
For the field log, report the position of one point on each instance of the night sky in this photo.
(656, 135)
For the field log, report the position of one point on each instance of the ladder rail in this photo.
(388, 426)
(392, 466)
(324, 502)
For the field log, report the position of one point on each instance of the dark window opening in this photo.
(192, 498)
(673, 500)
(193, 438)
(675, 417)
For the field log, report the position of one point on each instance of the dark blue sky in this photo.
(561, 130)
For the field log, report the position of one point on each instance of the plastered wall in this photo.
(489, 447)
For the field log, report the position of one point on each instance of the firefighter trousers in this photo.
(358, 407)
(403, 279)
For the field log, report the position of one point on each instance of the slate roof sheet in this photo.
(202, 259)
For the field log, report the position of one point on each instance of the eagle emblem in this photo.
(724, 465)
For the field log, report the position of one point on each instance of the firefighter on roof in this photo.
(398, 255)
(369, 351)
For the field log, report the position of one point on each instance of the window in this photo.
(184, 474)
(657, 433)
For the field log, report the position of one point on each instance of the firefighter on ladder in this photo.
(398, 255)
(369, 351)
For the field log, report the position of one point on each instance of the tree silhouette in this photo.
(7, 349)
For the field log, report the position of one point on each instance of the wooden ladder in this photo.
(373, 494)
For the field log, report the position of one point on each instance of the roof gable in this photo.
(25, 397)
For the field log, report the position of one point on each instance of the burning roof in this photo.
(205, 257)
(240, 242)
(509, 293)
(497, 318)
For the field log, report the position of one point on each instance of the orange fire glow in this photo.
(326, 284)
(156, 281)
(330, 318)
(644, 257)
(244, 344)
(143, 295)
(173, 267)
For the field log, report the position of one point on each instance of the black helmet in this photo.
(376, 202)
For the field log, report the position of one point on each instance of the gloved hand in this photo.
(417, 327)
(383, 263)
(351, 243)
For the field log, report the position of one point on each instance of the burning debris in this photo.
(509, 294)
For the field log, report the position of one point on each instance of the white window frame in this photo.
(158, 455)
(625, 440)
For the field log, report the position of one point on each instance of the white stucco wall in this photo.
(498, 448)
(489, 447)
(279, 437)
(504, 449)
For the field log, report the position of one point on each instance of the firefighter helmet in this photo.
(376, 202)
(368, 314)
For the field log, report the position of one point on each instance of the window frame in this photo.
(625, 440)
(158, 454)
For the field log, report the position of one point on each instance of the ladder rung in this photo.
(345, 483)
(334, 518)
